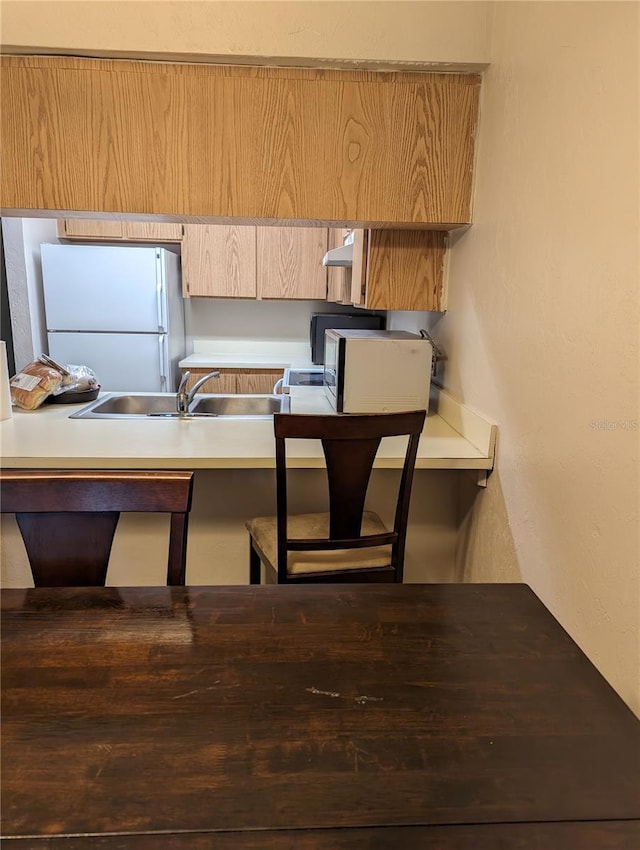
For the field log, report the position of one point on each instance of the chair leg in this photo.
(254, 565)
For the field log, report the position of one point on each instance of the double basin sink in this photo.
(163, 406)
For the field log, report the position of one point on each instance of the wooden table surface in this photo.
(381, 716)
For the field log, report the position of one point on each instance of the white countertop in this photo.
(247, 354)
(47, 438)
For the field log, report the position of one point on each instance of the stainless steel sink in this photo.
(239, 405)
(118, 405)
(163, 406)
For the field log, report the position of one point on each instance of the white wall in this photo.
(542, 329)
(22, 239)
(218, 549)
(222, 318)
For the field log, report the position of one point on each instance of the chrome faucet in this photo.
(184, 397)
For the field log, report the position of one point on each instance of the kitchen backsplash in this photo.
(217, 318)
(221, 318)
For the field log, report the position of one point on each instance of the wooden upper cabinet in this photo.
(290, 262)
(151, 231)
(338, 278)
(399, 270)
(80, 228)
(367, 148)
(358, 279)
(114, 230)
(219, 260)
(238, 261)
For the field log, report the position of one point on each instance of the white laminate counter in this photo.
(453, 438)
(247, 354)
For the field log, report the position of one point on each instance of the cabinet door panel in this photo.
(338, 278)
(219, 261)
(359, 267)
(83, 228)
(132, 231)
(290, 262)
(226, 383)
(405, 270)
(259, 381)
(281, 143)
(151, 231)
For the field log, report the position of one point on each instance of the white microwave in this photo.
(368, 371)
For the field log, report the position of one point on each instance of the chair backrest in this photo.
(350, 444)
(68, 518)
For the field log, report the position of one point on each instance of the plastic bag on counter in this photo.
(82, 379)
(44, 378)
(35, 382)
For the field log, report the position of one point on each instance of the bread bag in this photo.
(34, 383)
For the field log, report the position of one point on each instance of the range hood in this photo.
(342, 256)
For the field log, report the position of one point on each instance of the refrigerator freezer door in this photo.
(122, 362)
(103, 288)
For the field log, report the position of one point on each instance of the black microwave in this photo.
(321, 322)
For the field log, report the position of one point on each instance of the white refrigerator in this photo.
(118, 310)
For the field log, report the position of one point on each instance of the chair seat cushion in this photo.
(265, 534)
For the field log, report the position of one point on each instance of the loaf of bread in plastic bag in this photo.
(33, 384)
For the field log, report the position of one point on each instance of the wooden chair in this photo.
(347, 543)
(68, 518)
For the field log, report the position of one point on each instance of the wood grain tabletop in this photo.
(348, 716)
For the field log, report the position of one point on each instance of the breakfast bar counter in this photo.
(234, 462)
(454, 437)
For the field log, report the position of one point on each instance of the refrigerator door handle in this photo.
(164, 359)
(161, 297)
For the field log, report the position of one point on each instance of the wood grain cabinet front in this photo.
(338, 277)
(219, 261)
(235, 381)
(392, 269)
(226, 383)
(290, 262)
(151, 231)
(254, 144)
(80, 228)
(399, 270)
(257, 380)
(112, 230)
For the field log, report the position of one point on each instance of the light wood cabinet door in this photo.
(306, 144)
(226, 383)
(219, 261)
(338, 278)
(358, 279)
(290, 262)
(84, 228)
(399, 270)
(235, 381)
(406, 270)
(130, 231)
(258, 381)
(151, 231)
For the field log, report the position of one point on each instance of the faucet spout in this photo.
(184, 397)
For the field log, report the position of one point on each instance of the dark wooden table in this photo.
(371, 716)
